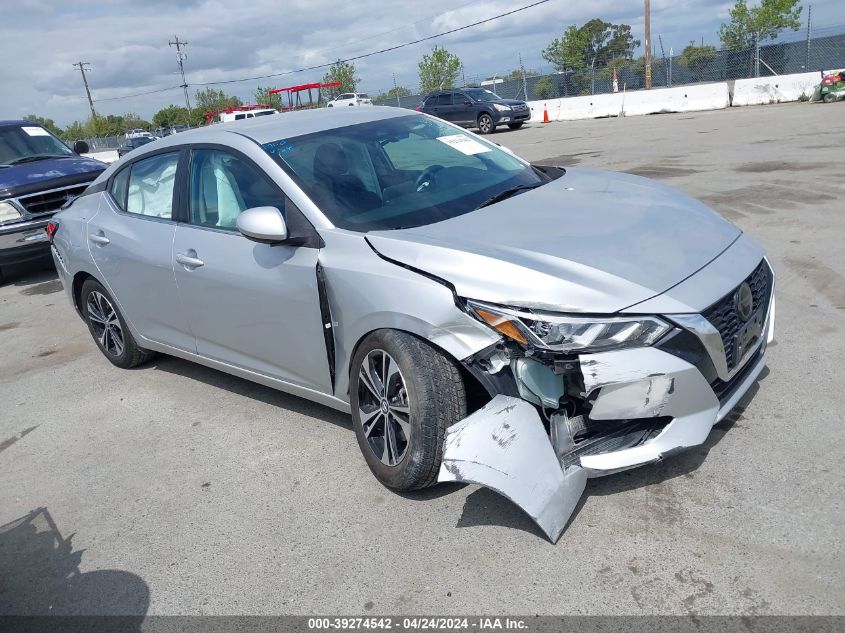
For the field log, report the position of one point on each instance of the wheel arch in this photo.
(79, 280)
(476, 394)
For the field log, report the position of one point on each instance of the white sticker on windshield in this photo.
(35, 131)
(464, 144)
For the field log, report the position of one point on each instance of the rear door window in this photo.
(151, 184)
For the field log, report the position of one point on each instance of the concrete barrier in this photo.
(777, 89)
(108, 156)
(691, 98)
(574, 108)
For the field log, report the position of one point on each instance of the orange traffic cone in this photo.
(545, 114)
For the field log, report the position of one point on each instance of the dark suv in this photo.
(476, 107)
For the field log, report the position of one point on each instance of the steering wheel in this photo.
(426, 179)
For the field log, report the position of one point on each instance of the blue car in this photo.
(38, 175)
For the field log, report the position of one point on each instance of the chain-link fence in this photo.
(702, 64)
(103, 143)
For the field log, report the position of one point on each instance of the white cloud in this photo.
(126, 43)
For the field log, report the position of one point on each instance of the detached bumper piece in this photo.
(504, 446)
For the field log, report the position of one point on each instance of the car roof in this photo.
(19, 122)
(290, 124)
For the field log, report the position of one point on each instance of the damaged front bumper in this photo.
(639, 406)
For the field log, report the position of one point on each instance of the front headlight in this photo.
(8, 212)
(565, 333)
(502, 108)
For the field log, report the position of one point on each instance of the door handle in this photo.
(99, 238)
(189, 259)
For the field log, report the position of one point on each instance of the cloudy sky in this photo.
(126, 43)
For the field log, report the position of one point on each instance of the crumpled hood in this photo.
(26, 177)
(590, 241)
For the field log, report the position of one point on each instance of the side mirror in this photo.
(81, 147)
(263, 224)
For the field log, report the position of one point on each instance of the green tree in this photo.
(438, 70)
(262, 95)
(516, 73)
(344, 72)
(697, 59)
(544, 87)
(211, 100)
(393, 93)
(592, 47)
(48, 124)
(74, 132)
(596, 43)
(762, 22)
(171, 115)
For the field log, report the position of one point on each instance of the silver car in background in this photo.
(484, 320)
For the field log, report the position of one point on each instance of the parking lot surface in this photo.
(176, 489)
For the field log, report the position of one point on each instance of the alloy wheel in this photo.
(383, 407)
(485, 123)
(105, 323)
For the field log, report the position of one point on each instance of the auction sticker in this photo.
(464, 144)
(35, 131)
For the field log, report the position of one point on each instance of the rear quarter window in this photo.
(119, 188)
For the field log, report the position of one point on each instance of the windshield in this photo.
(400, 172)
(20, 144)
(479, 94)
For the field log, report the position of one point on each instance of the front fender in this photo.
(367, 293)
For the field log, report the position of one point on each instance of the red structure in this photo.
(294, 94)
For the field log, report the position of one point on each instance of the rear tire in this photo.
(108, 327)
(829, 98)
(485, 124)
(400, 428)
(515, 126)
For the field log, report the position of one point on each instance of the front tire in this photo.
(485, 124)
(404, 394)
(108, 327)
(515, 126)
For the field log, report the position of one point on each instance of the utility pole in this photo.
(181, 56)
(82, 69)
(396, 91)
(809, 26)
(524, 81)
(647, 11)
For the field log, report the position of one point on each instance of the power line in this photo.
(139, 94)
(378, 52)
(398, 28)
(82, 69)
(326, 65)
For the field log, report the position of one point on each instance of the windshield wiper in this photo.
(506, 193)
(35, 157)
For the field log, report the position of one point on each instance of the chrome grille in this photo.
(723, 314)
(50, 201)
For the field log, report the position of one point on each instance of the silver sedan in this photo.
(522, 327)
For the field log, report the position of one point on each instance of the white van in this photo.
(225, 117)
